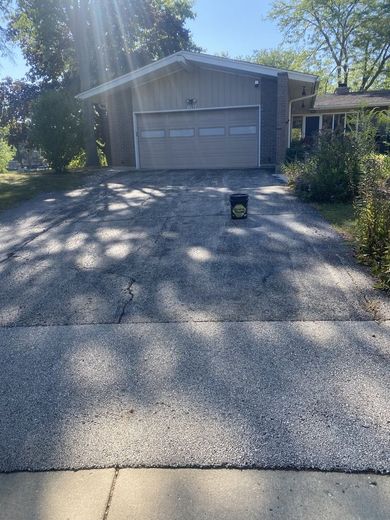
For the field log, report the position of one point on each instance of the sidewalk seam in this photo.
(111, 493)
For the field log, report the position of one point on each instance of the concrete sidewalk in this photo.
(166, 494)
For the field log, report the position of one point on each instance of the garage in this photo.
(193, 110)
(198, 138)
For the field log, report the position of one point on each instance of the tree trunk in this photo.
(80, 13)
(88, 112)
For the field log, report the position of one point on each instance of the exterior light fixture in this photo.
(303, 90)
(257, 83)
(191, 102)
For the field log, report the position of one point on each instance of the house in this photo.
(338, 111)
(192, 110)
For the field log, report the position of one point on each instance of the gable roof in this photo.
(375, 98)
(184, 59)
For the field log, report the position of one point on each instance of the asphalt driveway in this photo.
(140, 326)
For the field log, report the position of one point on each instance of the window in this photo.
(181, 132)
(296, 128)
(327, 122)
(312, 126)
(339, 120)
(153, 133)
(218, 130)
(242, 130)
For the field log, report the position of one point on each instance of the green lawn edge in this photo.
(17, 187)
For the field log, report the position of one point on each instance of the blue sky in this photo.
(233, 26)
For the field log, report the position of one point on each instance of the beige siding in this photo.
(210, 88)
(120, 124)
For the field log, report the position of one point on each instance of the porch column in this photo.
(282, 117)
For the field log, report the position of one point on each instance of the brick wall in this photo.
(268, 121)
(282, 117)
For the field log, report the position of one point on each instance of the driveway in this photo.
(142, 327)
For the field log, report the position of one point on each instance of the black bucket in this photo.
(239, 205)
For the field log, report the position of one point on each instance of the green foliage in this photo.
(121, 35)
(341, 215)
(296, 152)
(4, 12)
(332, 171)
(6, 153)
(16, 98)
(292, 59)
(102, 157)
(78, 161)
(16, 187)
(372, 208)
(56, 128)
(354, 36)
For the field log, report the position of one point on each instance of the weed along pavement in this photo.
(142, 326)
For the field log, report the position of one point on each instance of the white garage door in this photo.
(221, 138)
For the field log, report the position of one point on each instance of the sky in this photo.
(233, 26)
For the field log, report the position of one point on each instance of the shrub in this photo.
(372, 208)
(57, 128)
(334, 168)
(6, 154)
(296, 152)
(332, 171)
(78, 161)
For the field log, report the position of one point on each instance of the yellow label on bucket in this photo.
(239, 210)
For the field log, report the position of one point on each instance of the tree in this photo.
(79, 43)
(16, 98)
(6, 152)
(121, 35)
(290, 59)
(57, 128)
(4, 11)
(354, 34)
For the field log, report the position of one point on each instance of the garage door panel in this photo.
(220, 138)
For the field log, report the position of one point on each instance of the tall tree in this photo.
(121, 35)
(80, 43)
(16, 98)
(4, 12)
(354, 34)
(292, 59)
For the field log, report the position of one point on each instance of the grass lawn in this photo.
(340, 215)
(16, 187)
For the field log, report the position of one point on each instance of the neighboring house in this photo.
(338, 111)
(192, 110)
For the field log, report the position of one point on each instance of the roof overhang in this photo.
(184, 60)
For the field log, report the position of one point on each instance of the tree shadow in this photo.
(216, 362)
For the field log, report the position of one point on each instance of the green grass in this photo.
(340, 215)
(17, 187)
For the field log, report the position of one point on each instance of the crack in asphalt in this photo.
(129, 289)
